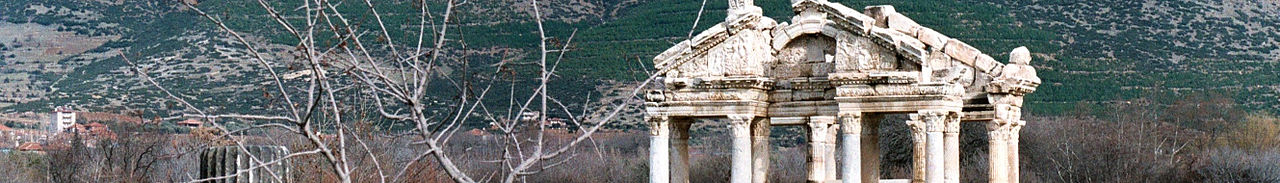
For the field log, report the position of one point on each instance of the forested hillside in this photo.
(1088, 52)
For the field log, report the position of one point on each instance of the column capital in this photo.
(851, 122)
(824, 119)
(1013, 129)
(740, 119)
(953, 122)
(679, 128)
(658, 124)
(740, 125)
(933, 120)
(999, 129)
(760, 127)
(915, 125)
(850, 114)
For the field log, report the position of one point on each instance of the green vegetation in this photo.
(1089, 53)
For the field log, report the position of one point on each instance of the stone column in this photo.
(659, 139)
(935, 123)
(919, 150)
(821, 149)
(740, 128)
(850, 130)
(871, 147)
(760, 150)
(680, 150)
(952, 137)
(1014, 129)
(998, 151)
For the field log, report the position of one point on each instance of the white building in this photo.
(63, 117)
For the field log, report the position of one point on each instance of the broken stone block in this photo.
(961, 52)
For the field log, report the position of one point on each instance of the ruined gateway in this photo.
(836, 71)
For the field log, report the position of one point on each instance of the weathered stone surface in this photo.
(880, 14)
(932, 38)
(900, 23)
(985, 63)
(1020, 55)
(938, 61)
(961, 51)
(833, 61)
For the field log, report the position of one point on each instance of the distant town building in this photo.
(63, 117)
(536, 117)
(530, 116)
(191, 123)
(30, 146)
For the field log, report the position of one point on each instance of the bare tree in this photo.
(395, 81)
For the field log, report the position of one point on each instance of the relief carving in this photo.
(861, 54)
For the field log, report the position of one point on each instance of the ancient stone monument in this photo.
(835, 70)
(224, 162)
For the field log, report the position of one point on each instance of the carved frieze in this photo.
(899, 90)
(742, 83)
(861, 54)
(808, 55)
(853, 78)
(742, 55)
(718, 95)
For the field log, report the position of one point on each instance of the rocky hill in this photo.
(56, 52)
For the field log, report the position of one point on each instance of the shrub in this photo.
(1237, 165)
(1258, 131)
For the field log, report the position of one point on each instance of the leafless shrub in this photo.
(709, 168)
(1089, 150)
(1236, 165)
(23, 167)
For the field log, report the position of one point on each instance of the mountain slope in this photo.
(1091, 52)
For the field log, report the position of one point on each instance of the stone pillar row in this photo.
(936, 150)
(935, 137)
(1003, 144)
(750, 148)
